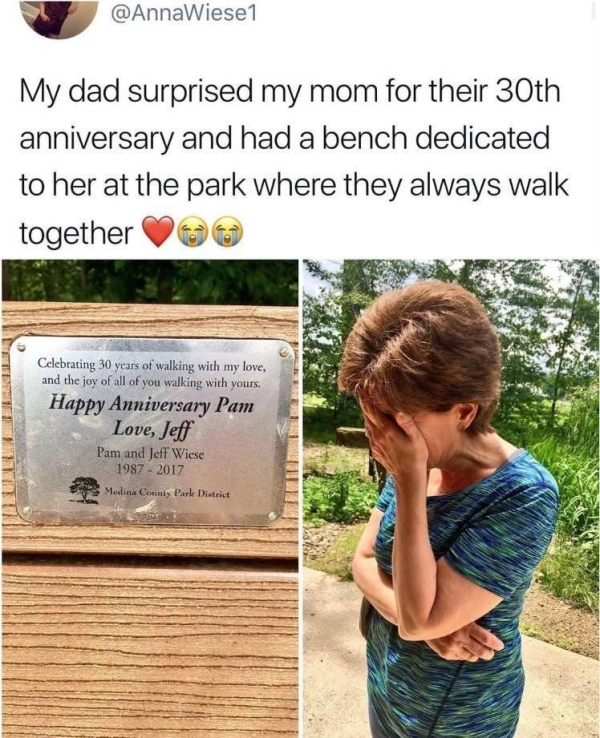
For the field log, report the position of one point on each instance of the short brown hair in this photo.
(425, 347)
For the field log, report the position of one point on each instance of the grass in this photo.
(338, 558)
(528, 628)
(577, 478)
(324, 460)
(570, 569)
(570, 573)
(318, 424)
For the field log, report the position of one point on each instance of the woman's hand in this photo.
(396, 443)
(470, 643)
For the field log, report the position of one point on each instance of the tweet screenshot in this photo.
(299, 129)
(300, 368)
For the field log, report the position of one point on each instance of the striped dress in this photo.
(494, 533)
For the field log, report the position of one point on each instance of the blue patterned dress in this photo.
(494, 533)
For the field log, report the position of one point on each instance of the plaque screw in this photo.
(20, 347)
(284, 353)
(272, 516)
(26, 510)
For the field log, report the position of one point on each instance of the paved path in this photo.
(561, 693)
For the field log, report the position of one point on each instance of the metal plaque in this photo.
(158, 431)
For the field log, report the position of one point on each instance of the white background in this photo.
(331, 41)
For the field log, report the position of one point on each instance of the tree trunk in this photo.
(6, 281)
(164, 285)
(464, 277)
(562, 349)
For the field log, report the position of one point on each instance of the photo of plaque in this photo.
(150, 431)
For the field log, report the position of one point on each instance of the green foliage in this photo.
(571, 568)
(581, 427)
(573, 460)
(569, 572)
(339, 498)
(165, 282)
(545, 313)
(577, 478)
(322, 350)
(320, 423)
(574, 342)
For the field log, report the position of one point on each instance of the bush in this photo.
(582, 426)
(320, 422)
(577, 478)
(339, 498)
(570, 571)
(571, 568)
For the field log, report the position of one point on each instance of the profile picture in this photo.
(58, 20)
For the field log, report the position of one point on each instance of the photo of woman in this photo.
(460, 526)
(52, 16)
(446, 403)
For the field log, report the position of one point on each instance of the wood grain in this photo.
(61, 319)
(173, 652)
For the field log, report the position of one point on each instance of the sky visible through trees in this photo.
(546, 314)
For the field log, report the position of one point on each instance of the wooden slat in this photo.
(277, 541)
(120, 652)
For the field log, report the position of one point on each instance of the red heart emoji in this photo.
(158, 230)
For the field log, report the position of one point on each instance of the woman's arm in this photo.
(73, 8)
(433, 600)
(469, 643)
(42, 9)
(373, 582)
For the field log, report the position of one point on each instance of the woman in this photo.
(52, 16)
(463, 520)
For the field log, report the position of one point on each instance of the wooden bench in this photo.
(126, 631)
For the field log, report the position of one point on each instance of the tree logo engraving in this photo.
(87, 487)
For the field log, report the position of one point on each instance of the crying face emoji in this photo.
(192, 231)
(227, 231)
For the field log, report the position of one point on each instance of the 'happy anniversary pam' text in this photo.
(175, 431)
